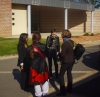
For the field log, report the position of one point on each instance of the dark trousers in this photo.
(24, 79)
(66, 67)
(50, 65)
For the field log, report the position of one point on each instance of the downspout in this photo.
(92, 19)
(29, 19)
(66, 19)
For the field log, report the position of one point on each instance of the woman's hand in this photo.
(21, 68)
(57, 53)
(25, 45)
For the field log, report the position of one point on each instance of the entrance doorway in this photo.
(35, 24)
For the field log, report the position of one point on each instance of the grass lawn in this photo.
(3, 39)
(8, 46)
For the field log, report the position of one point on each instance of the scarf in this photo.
(66, 39)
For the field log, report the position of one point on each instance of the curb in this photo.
(8, 57)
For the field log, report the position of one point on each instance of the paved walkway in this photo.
(93, 40)
(83, 79)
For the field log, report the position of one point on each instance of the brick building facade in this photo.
(79, 21)
(5, 18)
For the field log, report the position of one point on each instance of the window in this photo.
(13, 13)
(13, 23)
(13, 18)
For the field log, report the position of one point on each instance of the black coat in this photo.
(22, 52)
(38, 63)
(52, 46)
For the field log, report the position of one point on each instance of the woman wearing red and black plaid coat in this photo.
(38, 66)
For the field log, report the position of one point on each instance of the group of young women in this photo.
(33, 66)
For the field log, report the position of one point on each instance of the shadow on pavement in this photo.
(53, 82)
(17, 76)
(87, 87)
(91, 60)
(90, 87)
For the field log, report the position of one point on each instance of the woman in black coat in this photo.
(22, 48)
(53, 48)
(38, 66)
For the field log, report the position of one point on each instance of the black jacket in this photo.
(38, 63)
(21, 53)
(52, 45)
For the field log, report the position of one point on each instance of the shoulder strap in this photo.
(72, 46)
(70, 43)
(39, 51)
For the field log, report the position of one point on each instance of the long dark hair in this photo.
(22, 38)
(36, 37)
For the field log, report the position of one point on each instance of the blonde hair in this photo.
(66, 34)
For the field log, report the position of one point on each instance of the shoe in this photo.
(62, 91)
(61, 94)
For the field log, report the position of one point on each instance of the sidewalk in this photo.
(90, 43)
(86, 41)
(67, 95)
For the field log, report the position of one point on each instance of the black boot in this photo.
(62, 91)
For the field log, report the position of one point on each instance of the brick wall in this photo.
(97, 21)
(80, 21)
(5, 18)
